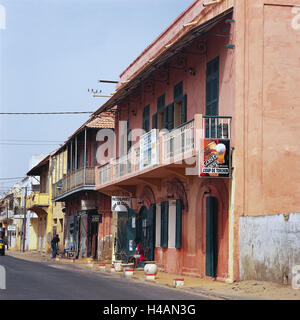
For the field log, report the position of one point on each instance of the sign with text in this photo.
(120, 203)
(148, 151)
(215, 158)
(88, 204)
(96, 218)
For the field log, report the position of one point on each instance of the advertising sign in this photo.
(120, 203)
(148, 152)
(215, 158)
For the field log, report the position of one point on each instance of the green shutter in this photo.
(146, 115)
(164, 224)
(161, 102)
(154, 121)
(211, 236)
(212, 87)
(170, 115)
(178, 90)
(178, 234)
(184, 110)
(166, 118)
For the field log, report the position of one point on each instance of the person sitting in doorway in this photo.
(139, 255)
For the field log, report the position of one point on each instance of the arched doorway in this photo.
(211, 246)
(146, 230)
(212, 222)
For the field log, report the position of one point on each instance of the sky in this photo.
(52, 52)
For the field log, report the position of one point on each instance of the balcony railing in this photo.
(37, 199)
(165, 148)
(76, 179)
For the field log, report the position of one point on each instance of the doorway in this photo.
(211, 253)
(146, 231)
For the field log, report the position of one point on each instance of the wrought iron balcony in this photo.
(163, 148)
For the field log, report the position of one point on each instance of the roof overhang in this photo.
(35, 171)
(153, 65)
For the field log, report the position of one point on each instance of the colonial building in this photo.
(87, 212)
(216, 96)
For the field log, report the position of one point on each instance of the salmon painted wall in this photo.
(190, 259)
(267, 106)
(103, 203)
(196, 12)
(193, 86)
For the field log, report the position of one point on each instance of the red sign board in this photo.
(215, 158)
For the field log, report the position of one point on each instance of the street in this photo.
(27, 280)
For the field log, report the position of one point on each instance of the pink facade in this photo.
(257, 86)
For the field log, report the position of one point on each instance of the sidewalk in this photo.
(242, 290)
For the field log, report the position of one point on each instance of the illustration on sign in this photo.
(215, 158)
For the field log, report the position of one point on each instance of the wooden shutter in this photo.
(166, 119)
(178, 234)
(212, 87)
(184, 110)
(170, 116)
(154, 121)
(160, 102)
(164, 224)
(146, 115)
(178, 90)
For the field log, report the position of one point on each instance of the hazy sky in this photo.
(51, 52)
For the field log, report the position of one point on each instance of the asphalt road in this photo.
(27, 280)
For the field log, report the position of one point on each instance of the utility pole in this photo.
(7, 223)
(24, 219)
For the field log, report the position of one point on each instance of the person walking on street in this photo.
(54, 243)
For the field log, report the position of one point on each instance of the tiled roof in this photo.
(102, 122)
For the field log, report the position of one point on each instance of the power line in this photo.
(24, 140)
(12, 178)
(42, 113)
(27, 144)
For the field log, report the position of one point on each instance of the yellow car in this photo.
(2, 247)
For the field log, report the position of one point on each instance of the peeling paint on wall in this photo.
(269, 247)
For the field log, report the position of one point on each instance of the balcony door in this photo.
(212, 96)
(146, 230)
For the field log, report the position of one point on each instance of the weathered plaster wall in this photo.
(269, 247)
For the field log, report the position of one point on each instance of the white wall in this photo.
(269, 247)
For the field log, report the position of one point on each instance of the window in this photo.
(180, 105)
(146, 117)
